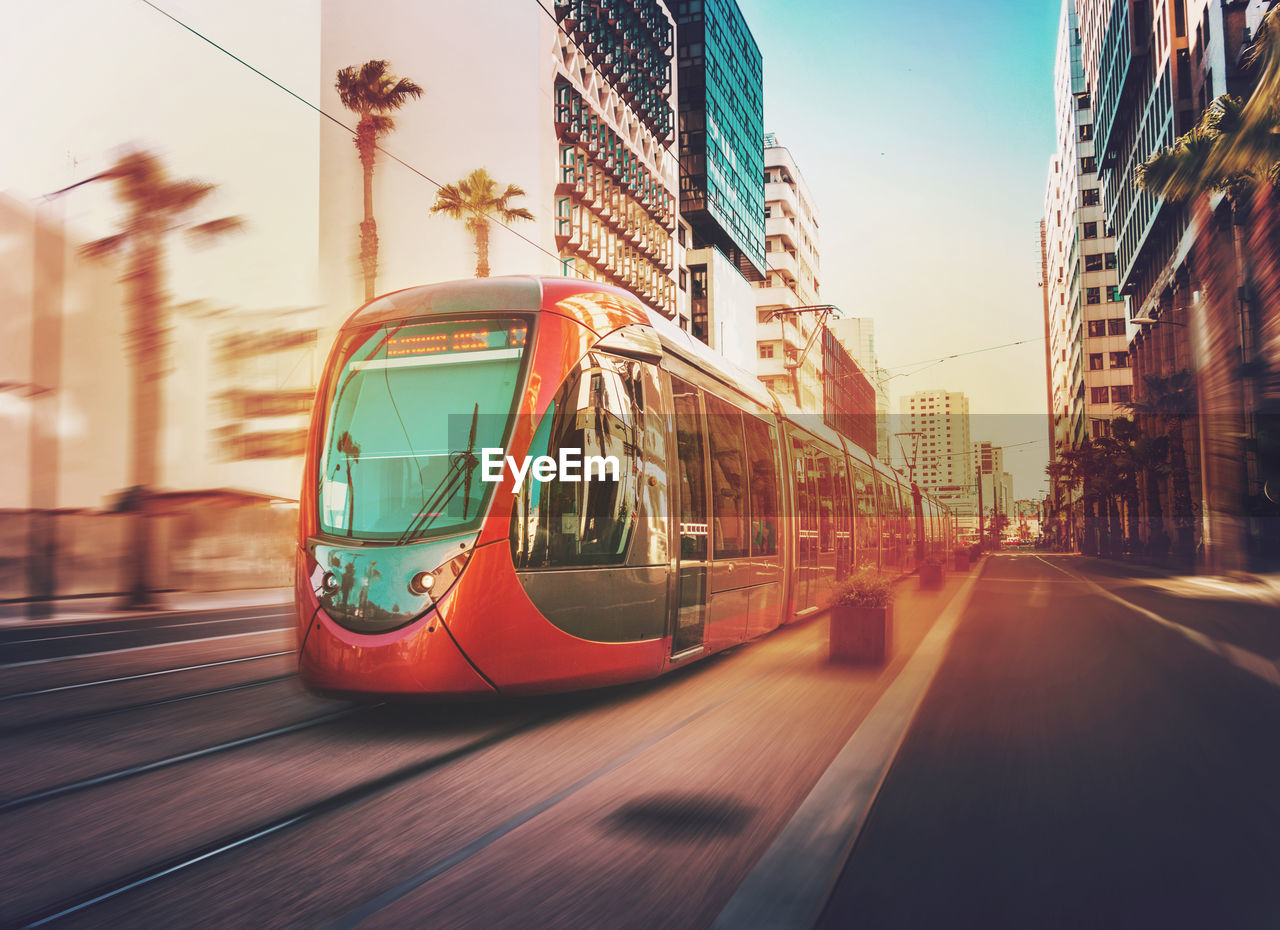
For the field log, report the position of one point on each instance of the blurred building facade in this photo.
(1090, 378)
(1153, 70)
(791, 280)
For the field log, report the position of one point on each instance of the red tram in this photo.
(725, 519)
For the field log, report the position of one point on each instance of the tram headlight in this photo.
(434, 584)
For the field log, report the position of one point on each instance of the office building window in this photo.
(1098, 395)
(1113, 293)
(1086, 132)
(1095, 362)
(1111, 260)
(1115, 327)
(1091, 230)
(1098, 327)
(1088, 165)
(1119, 359)
(1093, 295)
(1122, 393)
(1093, 262)
(766, 351)
(1090, 197)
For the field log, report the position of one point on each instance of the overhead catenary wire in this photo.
(337, 122)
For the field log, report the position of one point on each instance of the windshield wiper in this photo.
(462, 466)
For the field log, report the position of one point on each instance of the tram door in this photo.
(691, 441)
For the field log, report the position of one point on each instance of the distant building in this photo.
(936, 440)
(858, 336)
(849, 400)
(791, 246)
(996, 485)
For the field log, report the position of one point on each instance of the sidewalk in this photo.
(13, 614)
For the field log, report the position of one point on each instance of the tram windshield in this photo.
(412, 400)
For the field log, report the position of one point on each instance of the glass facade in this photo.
(615, 218)
(722, 130)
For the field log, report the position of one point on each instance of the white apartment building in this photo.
(858, 336)
(573, 102)
(1089, 375)
(791, 280)
(936, 438)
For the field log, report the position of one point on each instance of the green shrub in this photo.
(865, 588)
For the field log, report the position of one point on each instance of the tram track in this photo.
(18, 695)
(47, 723)
(242, 839)
(107, 778)
(297, 817)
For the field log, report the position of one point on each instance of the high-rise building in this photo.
(936, 442)
(721, 124)
(1153, 69)
(995, 493)
(858, 335)
(1090, 378)
(791, 246)
(572, 101)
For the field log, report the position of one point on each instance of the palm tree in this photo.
(156, 206)
(1148, 458)
(1167, 402)
(371, 92)
(476, 200)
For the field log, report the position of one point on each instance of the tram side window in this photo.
(865, 512)
(691, 443)
(844, 534)
(890, 532)
(596, 412)
(728, 479)
(803, 528)
(826, 504)
(761, 441)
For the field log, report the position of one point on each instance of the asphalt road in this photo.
(1078, 764)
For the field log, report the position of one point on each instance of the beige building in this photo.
(573, 103)
(791, 280)
(935, 438)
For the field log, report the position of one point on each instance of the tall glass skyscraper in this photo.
(721, 112)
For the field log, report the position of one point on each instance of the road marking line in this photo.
(1250, 662)
(108, 652)
(790, 885)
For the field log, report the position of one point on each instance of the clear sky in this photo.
(923, 131)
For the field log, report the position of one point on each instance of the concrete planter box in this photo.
(861, 635)
(931, 576)
(961, 561)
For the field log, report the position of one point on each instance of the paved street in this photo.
(1078, 764)
(1074, 762)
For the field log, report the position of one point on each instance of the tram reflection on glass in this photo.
(723, 520)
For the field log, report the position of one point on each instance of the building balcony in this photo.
(783, 226)
(771, 298)
(780, 192)
(783, 262)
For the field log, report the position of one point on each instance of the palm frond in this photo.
(105, 247)
(204, 233)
